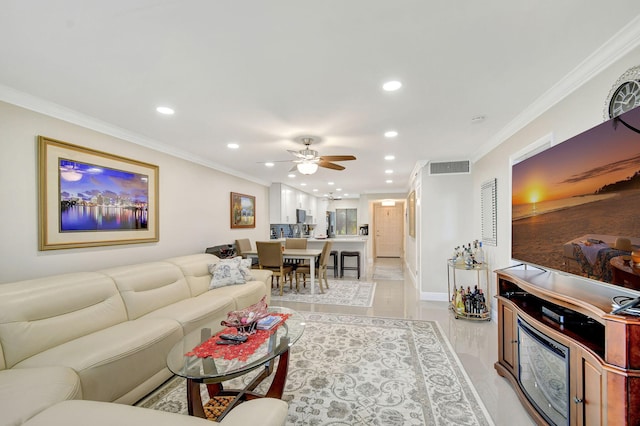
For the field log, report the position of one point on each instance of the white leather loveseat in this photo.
(104, 336)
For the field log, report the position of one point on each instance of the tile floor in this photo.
(474, 342)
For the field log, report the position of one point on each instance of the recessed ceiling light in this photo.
(388, 171)
(291, 175)
(165, 110)
(330, 183)
(346, 195)
(338, 189)
(303, 184)
(390, 134)
(269, 164)
(233, 146)
(388, 181)
(391, 86)
(389, 157)
(315, 189)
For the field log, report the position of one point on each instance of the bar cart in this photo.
(472, 302)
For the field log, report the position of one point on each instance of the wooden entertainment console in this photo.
(604, 349)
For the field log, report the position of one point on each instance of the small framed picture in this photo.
(243, 211)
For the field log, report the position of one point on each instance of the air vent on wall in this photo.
(449, 167)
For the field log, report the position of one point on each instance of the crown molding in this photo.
(625, 40)
(33, 103)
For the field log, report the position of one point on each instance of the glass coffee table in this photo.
(200, 360)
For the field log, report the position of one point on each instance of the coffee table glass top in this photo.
(218, 369)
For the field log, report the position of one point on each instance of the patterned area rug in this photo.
(388, 273)
(344, 292)
(349, 370)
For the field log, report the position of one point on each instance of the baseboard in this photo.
(437, 297)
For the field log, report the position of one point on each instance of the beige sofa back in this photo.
(39, 314)
(146, 287)
(195, 268)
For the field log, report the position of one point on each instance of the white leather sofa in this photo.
(104, 336)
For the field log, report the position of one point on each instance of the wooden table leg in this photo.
(194, 400)
(276, 390)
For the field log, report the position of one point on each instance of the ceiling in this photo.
(262, 74)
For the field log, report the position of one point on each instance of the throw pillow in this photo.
(245, 269)
(226, 272)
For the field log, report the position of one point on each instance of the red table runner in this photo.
(243, 351)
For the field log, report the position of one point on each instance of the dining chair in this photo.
(242, 247)
(295, 243)
(321, 267)
(270, 257)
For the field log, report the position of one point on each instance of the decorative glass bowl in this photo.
(246, 320)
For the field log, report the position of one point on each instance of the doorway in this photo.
(389, 230)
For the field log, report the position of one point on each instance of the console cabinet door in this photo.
(589, 397)
(508, 337)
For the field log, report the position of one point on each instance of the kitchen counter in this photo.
(341, 239)
(349, 243)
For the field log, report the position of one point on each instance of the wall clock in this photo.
(624, 95)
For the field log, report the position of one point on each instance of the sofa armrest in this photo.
(262, 411)
(25, 392)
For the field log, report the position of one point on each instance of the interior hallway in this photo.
(475, 342)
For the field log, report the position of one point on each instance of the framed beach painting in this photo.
(90, 198)
(243, 211)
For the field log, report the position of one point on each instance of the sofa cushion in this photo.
(40, 314)
(81, 413)
(195, 268)
(264, 412)
(24, 392)
(242, 295)
(113, 361)
(146, 287)
(197, 312)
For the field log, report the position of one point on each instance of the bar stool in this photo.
(334, 253)
(346, 253)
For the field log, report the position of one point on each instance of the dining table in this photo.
(297, 254)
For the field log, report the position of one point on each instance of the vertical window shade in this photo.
(488, 205)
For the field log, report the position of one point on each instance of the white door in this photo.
(388, 230)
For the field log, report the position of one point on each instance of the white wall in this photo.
(194, 202)
(446, 222)
(580, 111)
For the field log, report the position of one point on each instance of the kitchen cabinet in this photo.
(284, 200)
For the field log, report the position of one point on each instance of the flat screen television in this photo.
(576, 205)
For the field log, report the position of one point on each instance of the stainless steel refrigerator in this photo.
(331, 224)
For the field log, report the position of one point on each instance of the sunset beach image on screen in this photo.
(586, 185)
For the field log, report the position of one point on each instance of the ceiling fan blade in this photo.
(329, 165)
(337, 157)
(294, 168)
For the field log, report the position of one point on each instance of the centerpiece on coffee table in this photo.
(246, 320)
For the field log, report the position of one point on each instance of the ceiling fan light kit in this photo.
(307, 167)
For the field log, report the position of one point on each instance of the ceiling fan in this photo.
(308, 161)
(330, 197)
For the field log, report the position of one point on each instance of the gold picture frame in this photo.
(90, 198)
(243, 211)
